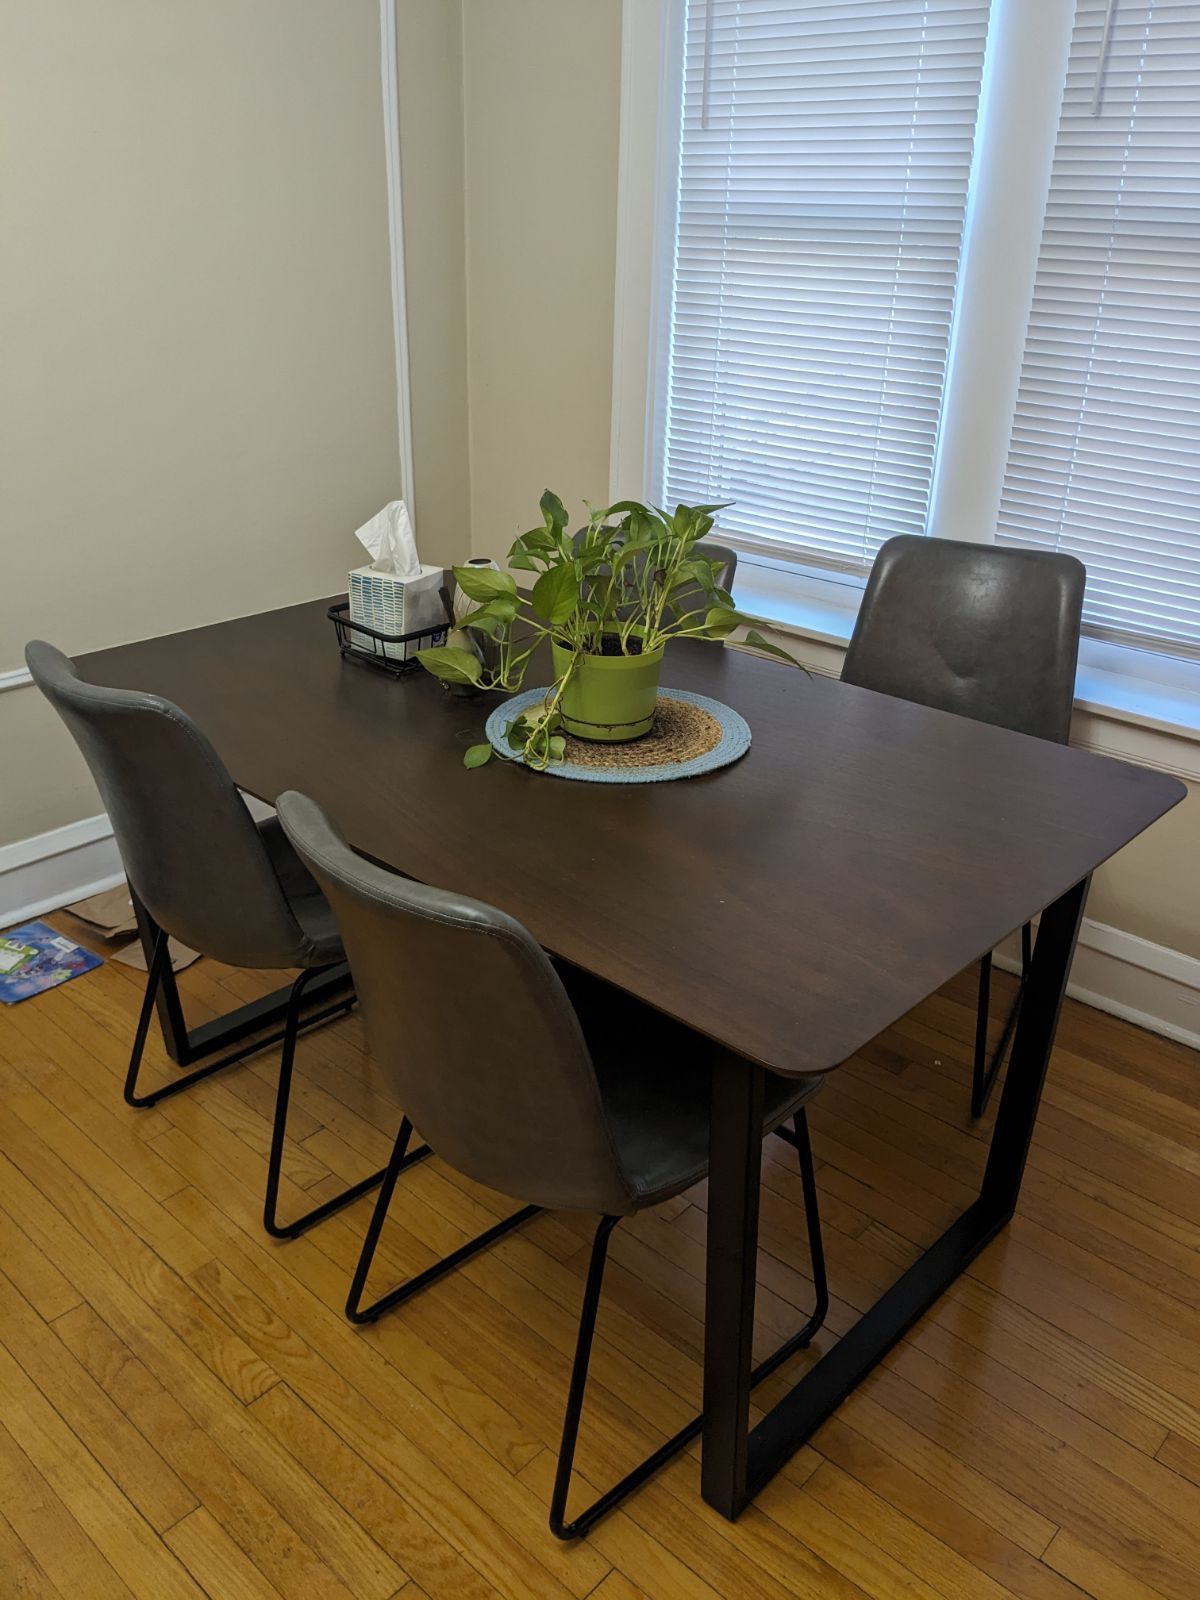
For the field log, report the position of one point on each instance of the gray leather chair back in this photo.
(190, 847)
(472, 1025)
(986, 631)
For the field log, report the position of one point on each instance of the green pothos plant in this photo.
(631, 582)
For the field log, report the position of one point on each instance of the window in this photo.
(1105, 454)
(823, 168)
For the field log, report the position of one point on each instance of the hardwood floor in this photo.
(185, 1412)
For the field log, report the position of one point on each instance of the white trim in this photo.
(651, 39)
(1146, 984)
(1024, 73)
(389, 73)
(56, 868)
(15, 678)
(1107, 733)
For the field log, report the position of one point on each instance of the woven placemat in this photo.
(691, 734)
(681, 731)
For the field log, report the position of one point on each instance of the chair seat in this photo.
(308, 905)
(655, 1084)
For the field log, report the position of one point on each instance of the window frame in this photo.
(1024, 76)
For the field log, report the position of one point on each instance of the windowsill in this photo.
(1160, 694)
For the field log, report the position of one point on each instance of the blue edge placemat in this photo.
(734, 742)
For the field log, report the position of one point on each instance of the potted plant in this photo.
(609, 600)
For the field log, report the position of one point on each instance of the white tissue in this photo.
(389, 540)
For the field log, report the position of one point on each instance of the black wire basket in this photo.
(390, 652)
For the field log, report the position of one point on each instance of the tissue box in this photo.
(396, 605)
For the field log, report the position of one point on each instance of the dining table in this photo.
(787, 908)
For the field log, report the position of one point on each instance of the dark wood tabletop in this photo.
(790, 906)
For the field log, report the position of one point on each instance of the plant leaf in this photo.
(556, 593)
(539, 539)
(755, 641)
(478, 755)
(451, 663)
(722, 620)
(553, 510)
(484, 583)
(502, 609)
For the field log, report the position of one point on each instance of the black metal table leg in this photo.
(737, 1464)
(735, 1166)
(984, 1072)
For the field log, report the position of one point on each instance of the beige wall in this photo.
(1152, 888)
(542, 98)
(429, 49)
(198, 403)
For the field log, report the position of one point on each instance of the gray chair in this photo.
(986, 631)
(545, 1084)
(201, 870)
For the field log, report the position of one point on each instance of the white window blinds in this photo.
(826, 147)
(1105, 456)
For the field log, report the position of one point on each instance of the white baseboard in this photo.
(67, 864)
(53, 869)
(1147, 984)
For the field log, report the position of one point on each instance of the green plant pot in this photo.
(610, 699)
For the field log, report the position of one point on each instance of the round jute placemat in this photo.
(691, 734)
(681, 732)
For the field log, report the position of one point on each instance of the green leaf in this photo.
(478, 755)
(503, 609)
(482, 621)
(539, 539)
(755, 641)
(558, 747)
(553, 510)
(722, 620)
(556, 593)
(692, 573)
(451, 664)
(484, 583)
(623, 508)
(521, 558)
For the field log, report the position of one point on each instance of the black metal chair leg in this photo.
(287, 1061)
(159, 967)
(983, 1073)
(575, 1392)
(401, 1158)
(153, 978)
(587, 1519)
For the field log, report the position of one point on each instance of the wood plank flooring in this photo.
(184, 1411)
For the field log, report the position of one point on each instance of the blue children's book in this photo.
(33, 957)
